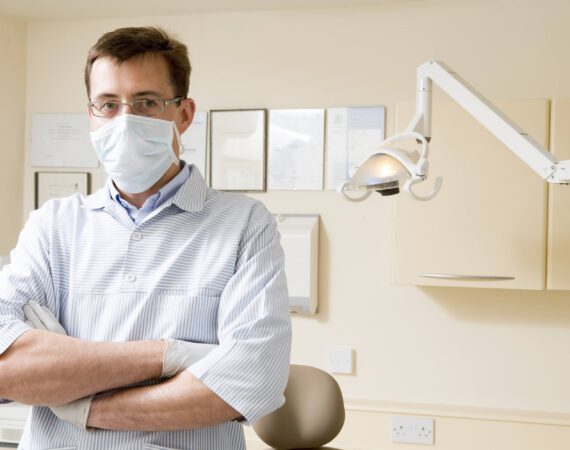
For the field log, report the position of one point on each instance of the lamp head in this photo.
(383, 172)
(391, 168)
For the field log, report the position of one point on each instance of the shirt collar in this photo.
(99, 199)
(192, 194)
(158, 198)
(189, 197)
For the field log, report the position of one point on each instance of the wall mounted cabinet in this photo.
(487, 227)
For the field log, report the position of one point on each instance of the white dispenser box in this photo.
(300, 241)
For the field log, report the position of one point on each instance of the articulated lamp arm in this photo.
(391, 168)
(482, 110)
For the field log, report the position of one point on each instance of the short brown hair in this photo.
(123, 44)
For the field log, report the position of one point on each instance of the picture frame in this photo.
(50, 185)
(295, 149)
(238, 150)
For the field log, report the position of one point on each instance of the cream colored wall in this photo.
(497, 349)
(12, 113)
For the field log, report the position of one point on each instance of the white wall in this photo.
(12, 113)
(474, 349)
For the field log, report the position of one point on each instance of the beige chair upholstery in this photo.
(312, 416)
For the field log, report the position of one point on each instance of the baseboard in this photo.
(461, 412)
(368, 427)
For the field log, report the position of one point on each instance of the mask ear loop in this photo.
(181, 148)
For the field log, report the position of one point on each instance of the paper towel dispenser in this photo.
(300, 241)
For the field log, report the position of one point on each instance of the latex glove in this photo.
(178, 355)
(41, 318)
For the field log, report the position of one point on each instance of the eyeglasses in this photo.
(143, 107)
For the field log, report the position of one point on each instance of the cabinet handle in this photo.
(452, 276)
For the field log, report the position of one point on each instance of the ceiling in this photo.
(99, 9)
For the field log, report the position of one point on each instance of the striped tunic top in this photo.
(205, 266)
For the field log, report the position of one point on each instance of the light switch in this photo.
(341, 360)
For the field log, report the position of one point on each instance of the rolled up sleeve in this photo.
(250, 368)
(27, 277)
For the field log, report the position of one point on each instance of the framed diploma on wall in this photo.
(238, 142)
(59, 184)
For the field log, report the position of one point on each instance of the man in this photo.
(155, 275)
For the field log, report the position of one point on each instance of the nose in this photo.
(124, 109)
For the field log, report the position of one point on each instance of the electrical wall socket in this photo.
(412, 430)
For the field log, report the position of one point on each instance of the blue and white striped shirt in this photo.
(205, 266)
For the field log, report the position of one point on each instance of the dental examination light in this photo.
(392, 168)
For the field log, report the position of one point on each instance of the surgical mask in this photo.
(136, 151)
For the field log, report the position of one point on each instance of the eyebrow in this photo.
(141, 94)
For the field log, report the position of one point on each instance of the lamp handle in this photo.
(342, 189)
(408, 188)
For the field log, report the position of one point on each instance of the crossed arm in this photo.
(45, 368)
(181, 402)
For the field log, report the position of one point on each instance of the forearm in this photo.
(182, 402)
(45, 368)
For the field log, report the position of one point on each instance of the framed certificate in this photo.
(238, 141)
(60, 184)
(61, 140)
(296, 145)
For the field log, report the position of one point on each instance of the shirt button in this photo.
(137, 236)
(131, 277)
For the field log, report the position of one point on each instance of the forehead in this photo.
(144, 74)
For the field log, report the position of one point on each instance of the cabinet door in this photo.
(489, 219)
(558, 273)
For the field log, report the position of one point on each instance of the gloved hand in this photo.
(178, 355)
(41, 318)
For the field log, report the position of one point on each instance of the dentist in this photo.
(152, 314)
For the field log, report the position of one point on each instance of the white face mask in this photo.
(135, 151)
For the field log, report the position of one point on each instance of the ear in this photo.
(186, 114)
